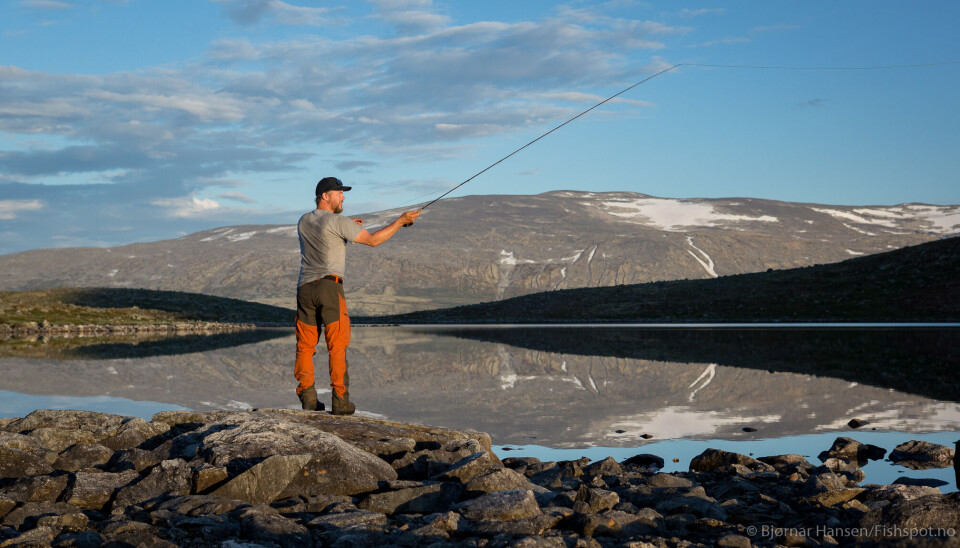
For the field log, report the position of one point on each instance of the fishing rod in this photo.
(484, 170)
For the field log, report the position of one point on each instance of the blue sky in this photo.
(135, 120)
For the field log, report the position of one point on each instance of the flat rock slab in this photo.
(364, 432)
(335, 466)
(265, 481)
(502, 505)
(422, 499)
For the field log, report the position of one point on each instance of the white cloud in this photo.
(47, 4)
(237, 197)
(10, 208)
(723, 42)
(591, 98)
(251, 12)
(686, 12)
(187, 206)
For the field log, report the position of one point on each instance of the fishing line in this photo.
(782, 67)
(704, 65)
(608, 99)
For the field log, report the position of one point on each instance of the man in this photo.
(324, 235)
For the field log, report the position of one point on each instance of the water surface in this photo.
(552, 392)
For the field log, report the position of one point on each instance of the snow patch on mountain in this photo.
(846, 215)
(242, 236)
(708, 265)
(674, 215)
(940, 219)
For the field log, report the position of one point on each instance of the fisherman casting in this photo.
(324, 235)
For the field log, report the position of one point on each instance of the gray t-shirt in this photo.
(324, 236)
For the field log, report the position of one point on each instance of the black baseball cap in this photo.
(330, 183)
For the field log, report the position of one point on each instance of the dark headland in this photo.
(919, 283)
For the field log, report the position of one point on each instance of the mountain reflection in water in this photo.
(561, 387)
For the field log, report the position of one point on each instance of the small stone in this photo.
(339, 521)
(206, 477)
(833, 498)
(646, 459)
(928, 482)
(667, 480)
(733, 541)
(275, 529)
(605, 467)
(857, 423)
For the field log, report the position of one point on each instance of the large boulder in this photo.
(711, 459)
(502, 505)
(36, 488)
(262, 483)
(170, 477)
(853, 450)
(468, 468)
(927, 516)
(921, 455)
(22, 456)
(336, 467)
(93, 490)
(420, 498)
(83, 455)
(500, 479)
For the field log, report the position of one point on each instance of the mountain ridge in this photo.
(488, 247)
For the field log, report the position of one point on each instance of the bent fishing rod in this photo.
(484, 170)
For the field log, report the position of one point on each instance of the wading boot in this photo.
(342, 406)
(308, 399)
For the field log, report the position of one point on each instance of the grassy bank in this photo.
(134, 307)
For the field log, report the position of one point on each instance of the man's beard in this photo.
(338, 208)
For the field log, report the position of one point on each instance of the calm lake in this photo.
(550, 392)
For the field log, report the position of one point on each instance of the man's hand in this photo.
(387, 232)
(407, 218)
(358, 221)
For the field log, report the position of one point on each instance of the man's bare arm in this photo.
(387, 232)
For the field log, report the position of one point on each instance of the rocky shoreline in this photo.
(46, 329)
(277, 477)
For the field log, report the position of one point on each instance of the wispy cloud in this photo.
(723, 42)
(687, 12)
(812, 103)
(351, 165)
(187, 206)
(167, 141)
(251, 12)
(10, 208)
(774, 28)
(236, 197)
(53, 5)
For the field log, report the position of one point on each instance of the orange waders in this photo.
(323, 299)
